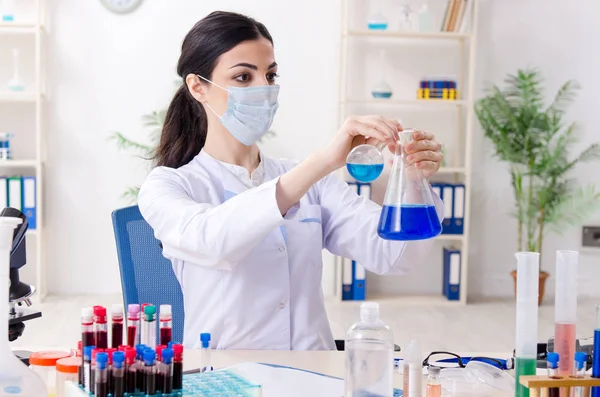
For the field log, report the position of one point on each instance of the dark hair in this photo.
(184, 130)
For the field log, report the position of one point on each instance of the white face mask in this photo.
(250, 111)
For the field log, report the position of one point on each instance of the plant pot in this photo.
(542, 286)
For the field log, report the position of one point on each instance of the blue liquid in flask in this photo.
(364, 172)
(408, 222)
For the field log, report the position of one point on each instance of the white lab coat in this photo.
(251, 277)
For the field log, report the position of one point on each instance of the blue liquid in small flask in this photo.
(408, 211)
(365, 163)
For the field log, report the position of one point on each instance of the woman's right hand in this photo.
(357, 130)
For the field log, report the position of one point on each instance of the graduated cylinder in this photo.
(565, 306)
(528, 270)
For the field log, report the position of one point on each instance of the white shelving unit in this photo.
(29, 23)
(394, 41)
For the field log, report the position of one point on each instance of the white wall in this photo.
(106, 71)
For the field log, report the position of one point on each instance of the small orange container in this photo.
(44, 364)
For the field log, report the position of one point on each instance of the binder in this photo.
(359, 278)
(448, 198)
(29, 199)
(459, 209)
(437, 189)
(452, 270)
(15, 193)
(3, 192)
(347, 278)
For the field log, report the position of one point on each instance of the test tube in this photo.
(527, 317)
(565, 313)
(177, 367)
(109, 369)
(87, 333)
(149, 326)
(166, 324)
(159, 373)
(141, 379)
(596, 356)
(130, 371)
(167, 371)
(552, 360)
(87, 365)
(205, 365)
(101, 375)
(133, 325)
(118, 373)
(579, 364)
(412, 370)
(100, 327)
(150, 372)
(116, 326)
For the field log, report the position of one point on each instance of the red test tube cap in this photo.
(123, 348)
(100, 312)
(178, 351)
(159, 350)
(110, 354)
(130, 354)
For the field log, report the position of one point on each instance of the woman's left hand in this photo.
(425, 153)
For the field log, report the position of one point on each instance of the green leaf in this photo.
(573, 209)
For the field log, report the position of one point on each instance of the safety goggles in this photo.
(451, 360)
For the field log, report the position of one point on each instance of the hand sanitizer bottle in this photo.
(369, 355)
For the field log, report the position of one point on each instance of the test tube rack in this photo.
(539, 386)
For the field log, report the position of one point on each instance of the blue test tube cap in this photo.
(205, 339)
(101, 360)
(118, 359)
(149, 357)
(167, 355)
(139, 349)
(580, 359)
(87, 352)
(552, 360)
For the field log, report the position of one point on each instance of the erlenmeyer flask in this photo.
(365, 162)
(408, 211)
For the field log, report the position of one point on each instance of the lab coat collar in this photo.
(240, 172)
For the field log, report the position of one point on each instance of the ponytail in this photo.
(184, 131)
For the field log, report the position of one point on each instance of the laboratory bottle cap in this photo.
(133, 308)
(47, 358)
(150, 311)
(580, 357)
(130, 355)
(95, 353)
(177, 349)
(101, 360)
(87, 351)
(369, 312)
(87, 312)
(433, 370)
(159, 350)
(118, 359)
(149, 357)
(99, 311)
(167, 355)
(205, 339)
(68, 365)
(165, 310)
(123, 348)
(140, 349)
(552, 359)
(116, 309)
(110, 353)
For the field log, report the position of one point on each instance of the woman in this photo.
(245, 232)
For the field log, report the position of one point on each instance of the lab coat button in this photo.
(281, 305)
(281, 249)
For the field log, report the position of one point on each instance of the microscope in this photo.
(19, 292)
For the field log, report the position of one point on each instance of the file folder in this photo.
(29, 200)
(15, 193)
(451, 274)
(448, 198)
(459, 209)
(358, 281)
(3, 192)
(347, 279)
(437, 189)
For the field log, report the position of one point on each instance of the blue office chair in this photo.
(146, 275)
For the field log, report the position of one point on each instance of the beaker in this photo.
(408, 211)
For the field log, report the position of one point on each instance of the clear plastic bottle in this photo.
(434, 385)
(369, 355)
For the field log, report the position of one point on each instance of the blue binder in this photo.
(459, 209)
(451, 274)
(448, 199)
(347, 279)
(359, 281)
(29, 200)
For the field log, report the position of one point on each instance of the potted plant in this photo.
(534, 139)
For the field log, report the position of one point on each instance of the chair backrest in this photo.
(146, 275)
